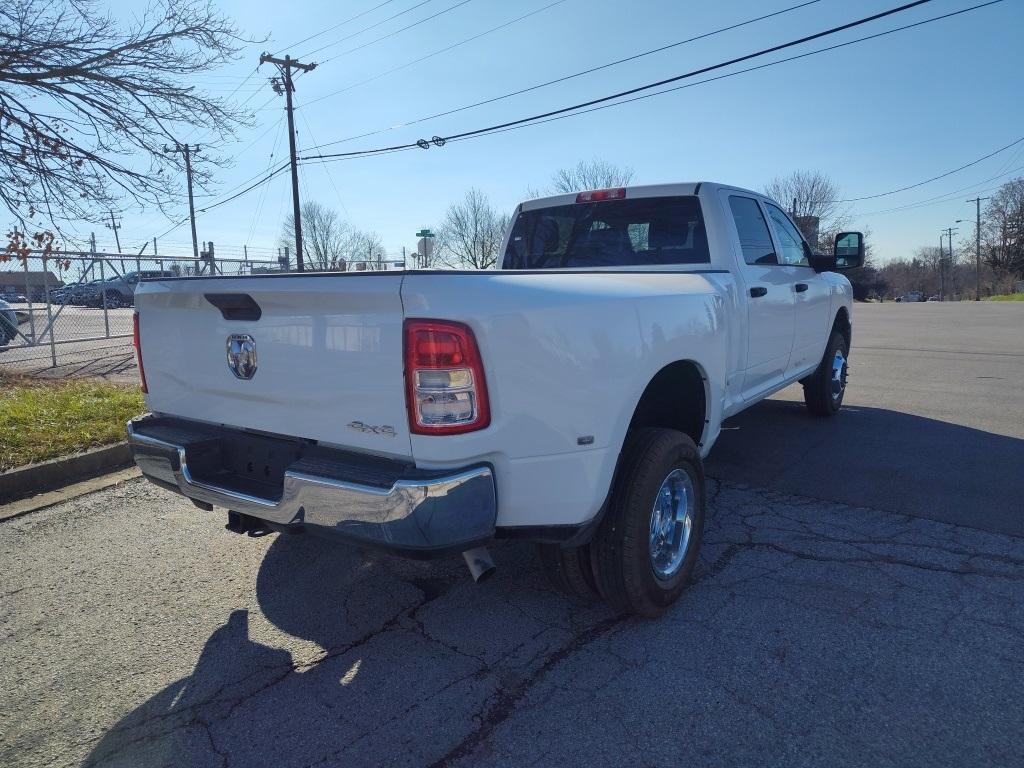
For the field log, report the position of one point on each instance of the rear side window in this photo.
(755, 239)
(647, 231)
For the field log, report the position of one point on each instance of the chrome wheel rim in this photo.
(839, 370)
(671, 524)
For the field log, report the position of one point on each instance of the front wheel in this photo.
(647, 545)
(824, 389)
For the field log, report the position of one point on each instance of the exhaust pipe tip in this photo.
(479, 562)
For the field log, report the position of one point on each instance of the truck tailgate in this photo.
(328, 356)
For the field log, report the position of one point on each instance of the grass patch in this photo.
(1007, 297)
(43, 419)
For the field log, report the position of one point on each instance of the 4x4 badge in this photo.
(384, 429)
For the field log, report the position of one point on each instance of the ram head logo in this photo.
(242, 355)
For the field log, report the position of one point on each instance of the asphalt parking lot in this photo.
(860, 600)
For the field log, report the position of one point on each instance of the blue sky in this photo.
(875, 116)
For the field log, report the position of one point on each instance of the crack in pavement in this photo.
(503, 702)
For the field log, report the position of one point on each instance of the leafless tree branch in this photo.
(88, 104)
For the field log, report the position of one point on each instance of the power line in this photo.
(247, 147)
(273, 174)
(793, 58)
(365, 29)
(337, 26)
(326, 167)
(397, 31)
(945, 197)
(264, 191)
(558, 114)
(538, 86)
(941, 175)
(440, 141)
(438, 53)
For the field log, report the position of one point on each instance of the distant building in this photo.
(810, 226)
(32, 284)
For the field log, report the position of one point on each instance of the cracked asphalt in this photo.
(135, 632)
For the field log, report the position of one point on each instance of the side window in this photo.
(755, 239)
(792, 244)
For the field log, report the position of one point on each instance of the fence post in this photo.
(103, 289)
(28, 297)
(49, 315)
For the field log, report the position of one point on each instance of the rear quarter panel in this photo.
(567, 355)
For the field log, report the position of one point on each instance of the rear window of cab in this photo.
(646, 231)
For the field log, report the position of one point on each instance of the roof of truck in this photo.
(639, 190)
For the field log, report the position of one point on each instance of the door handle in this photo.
(758, 290)
(801, 287)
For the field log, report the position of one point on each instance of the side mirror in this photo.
(849, 250)
(848, 253)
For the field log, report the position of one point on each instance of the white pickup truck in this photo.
(566, 398)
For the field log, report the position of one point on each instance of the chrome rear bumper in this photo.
(397, 507)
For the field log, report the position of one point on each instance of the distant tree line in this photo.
(331, 243)
(472, 230)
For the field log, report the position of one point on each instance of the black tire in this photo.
(620, 554)
(821, 394)
(568, 570)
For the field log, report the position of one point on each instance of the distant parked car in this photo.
(121, 290)
(85, 294)
(933, 298)
(61, 295)
(8, 322)
(12, 297)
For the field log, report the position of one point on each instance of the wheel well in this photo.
(842, 324)
(674, 399)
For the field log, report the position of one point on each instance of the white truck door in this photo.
(768, 292)
(811, 293)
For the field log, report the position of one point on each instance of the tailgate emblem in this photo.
(242, 355)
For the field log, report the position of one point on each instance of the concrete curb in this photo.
(22, 482)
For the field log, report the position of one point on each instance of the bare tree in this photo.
(813, 193)
(365, 248)
(1003, 229)
(88, 103)
(470, 235)
(331, 243)
(326, 238)
(589, 174)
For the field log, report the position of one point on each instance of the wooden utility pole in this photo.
(285, 66)
(950, 231)
(117, 238)
(186, 151)
(115, 226)
(977, 249)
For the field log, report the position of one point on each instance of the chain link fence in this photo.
(73, 310)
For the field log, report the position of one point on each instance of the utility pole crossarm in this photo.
(287, 61)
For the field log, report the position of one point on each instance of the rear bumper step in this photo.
(297, 486)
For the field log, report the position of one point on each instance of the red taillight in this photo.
(446, 392)
(137, 344)
(597, 195)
